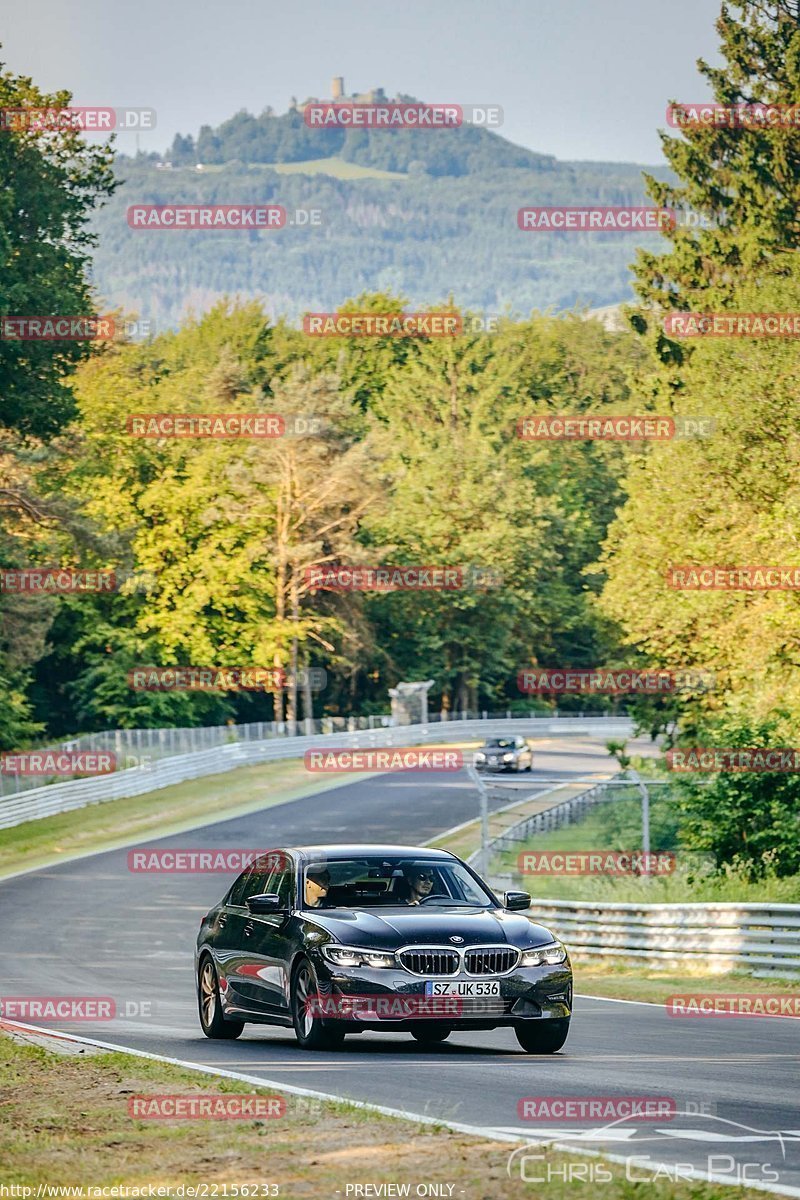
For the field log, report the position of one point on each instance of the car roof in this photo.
(357, 850)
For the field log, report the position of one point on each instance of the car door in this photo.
(234, 944)
(266, 942)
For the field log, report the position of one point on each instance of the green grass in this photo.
(66, 1124)
(339, 168)
(617, 825)
(652, 984)
(169, 810)
(183, 806)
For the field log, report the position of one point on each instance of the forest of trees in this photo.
(418, 462)
(404, 235)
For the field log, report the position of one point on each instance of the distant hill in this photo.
(466, 150)
(423, 214)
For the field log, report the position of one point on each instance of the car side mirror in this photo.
(265, 902)
(516, 900)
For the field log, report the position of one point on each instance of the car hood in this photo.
(394, 927)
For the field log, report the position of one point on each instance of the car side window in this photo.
(281, 882)
(237, 892)
(251, 883)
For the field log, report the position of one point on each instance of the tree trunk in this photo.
(292, 706)
(308, 699)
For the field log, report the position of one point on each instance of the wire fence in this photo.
(143, 747)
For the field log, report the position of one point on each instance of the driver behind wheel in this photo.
(420, 884)
(318, 882)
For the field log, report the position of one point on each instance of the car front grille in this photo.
(490, 960)
(430, 961)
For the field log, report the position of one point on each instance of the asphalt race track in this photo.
(91, 927)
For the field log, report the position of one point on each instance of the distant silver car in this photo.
(511, 753)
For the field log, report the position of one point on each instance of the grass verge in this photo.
(166, 811)
(68, 1125)
(617, 825)
(646, 983)
(116, 823)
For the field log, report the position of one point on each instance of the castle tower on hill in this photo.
(339, 96)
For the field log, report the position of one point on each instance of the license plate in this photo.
(463, 987)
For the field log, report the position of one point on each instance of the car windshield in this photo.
(500, 743)
(398, 882)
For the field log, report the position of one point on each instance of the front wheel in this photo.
(431, 1035)
(212, 1021)
(310, 1030)
(542, 1037)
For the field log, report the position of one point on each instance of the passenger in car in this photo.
(318, 882)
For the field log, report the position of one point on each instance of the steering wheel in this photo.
(435, 896)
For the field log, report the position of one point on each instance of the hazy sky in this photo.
(576, 78)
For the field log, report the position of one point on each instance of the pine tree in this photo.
(744, 183)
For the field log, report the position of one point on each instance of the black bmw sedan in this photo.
(334, 940)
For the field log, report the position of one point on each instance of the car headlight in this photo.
(354, 956)
(508, 758)
(479, 756)
(550, 954)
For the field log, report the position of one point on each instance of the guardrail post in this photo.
(645, 815)
(483, 860)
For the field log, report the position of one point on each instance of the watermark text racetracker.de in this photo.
(195, 1106)
(410, 577)
(732, 324)
(206, 679)
(596, 862)
(710, 577)
(394, 324)
(734, 116)
(220, 217)
(395, 114)
(734, 1004)
(31, 1009)
(757, 759)
(596, 1108)
(602, 218)
(84, 119)
(223, 425)
(220, 860)
(569, 427)
(58, 762)
(540, 681)
(388, 759)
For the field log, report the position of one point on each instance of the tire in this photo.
(212, 1021)
(431, 1035)
(542, 1037)
(312, 1033)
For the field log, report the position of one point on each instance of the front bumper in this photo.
(526, 994)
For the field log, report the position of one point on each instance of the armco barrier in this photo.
(764, 938)
(77, 793)
(719, 937)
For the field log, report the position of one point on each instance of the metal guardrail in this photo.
(720, 936)
(765, 938)
(141, 747)
(77, 793)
